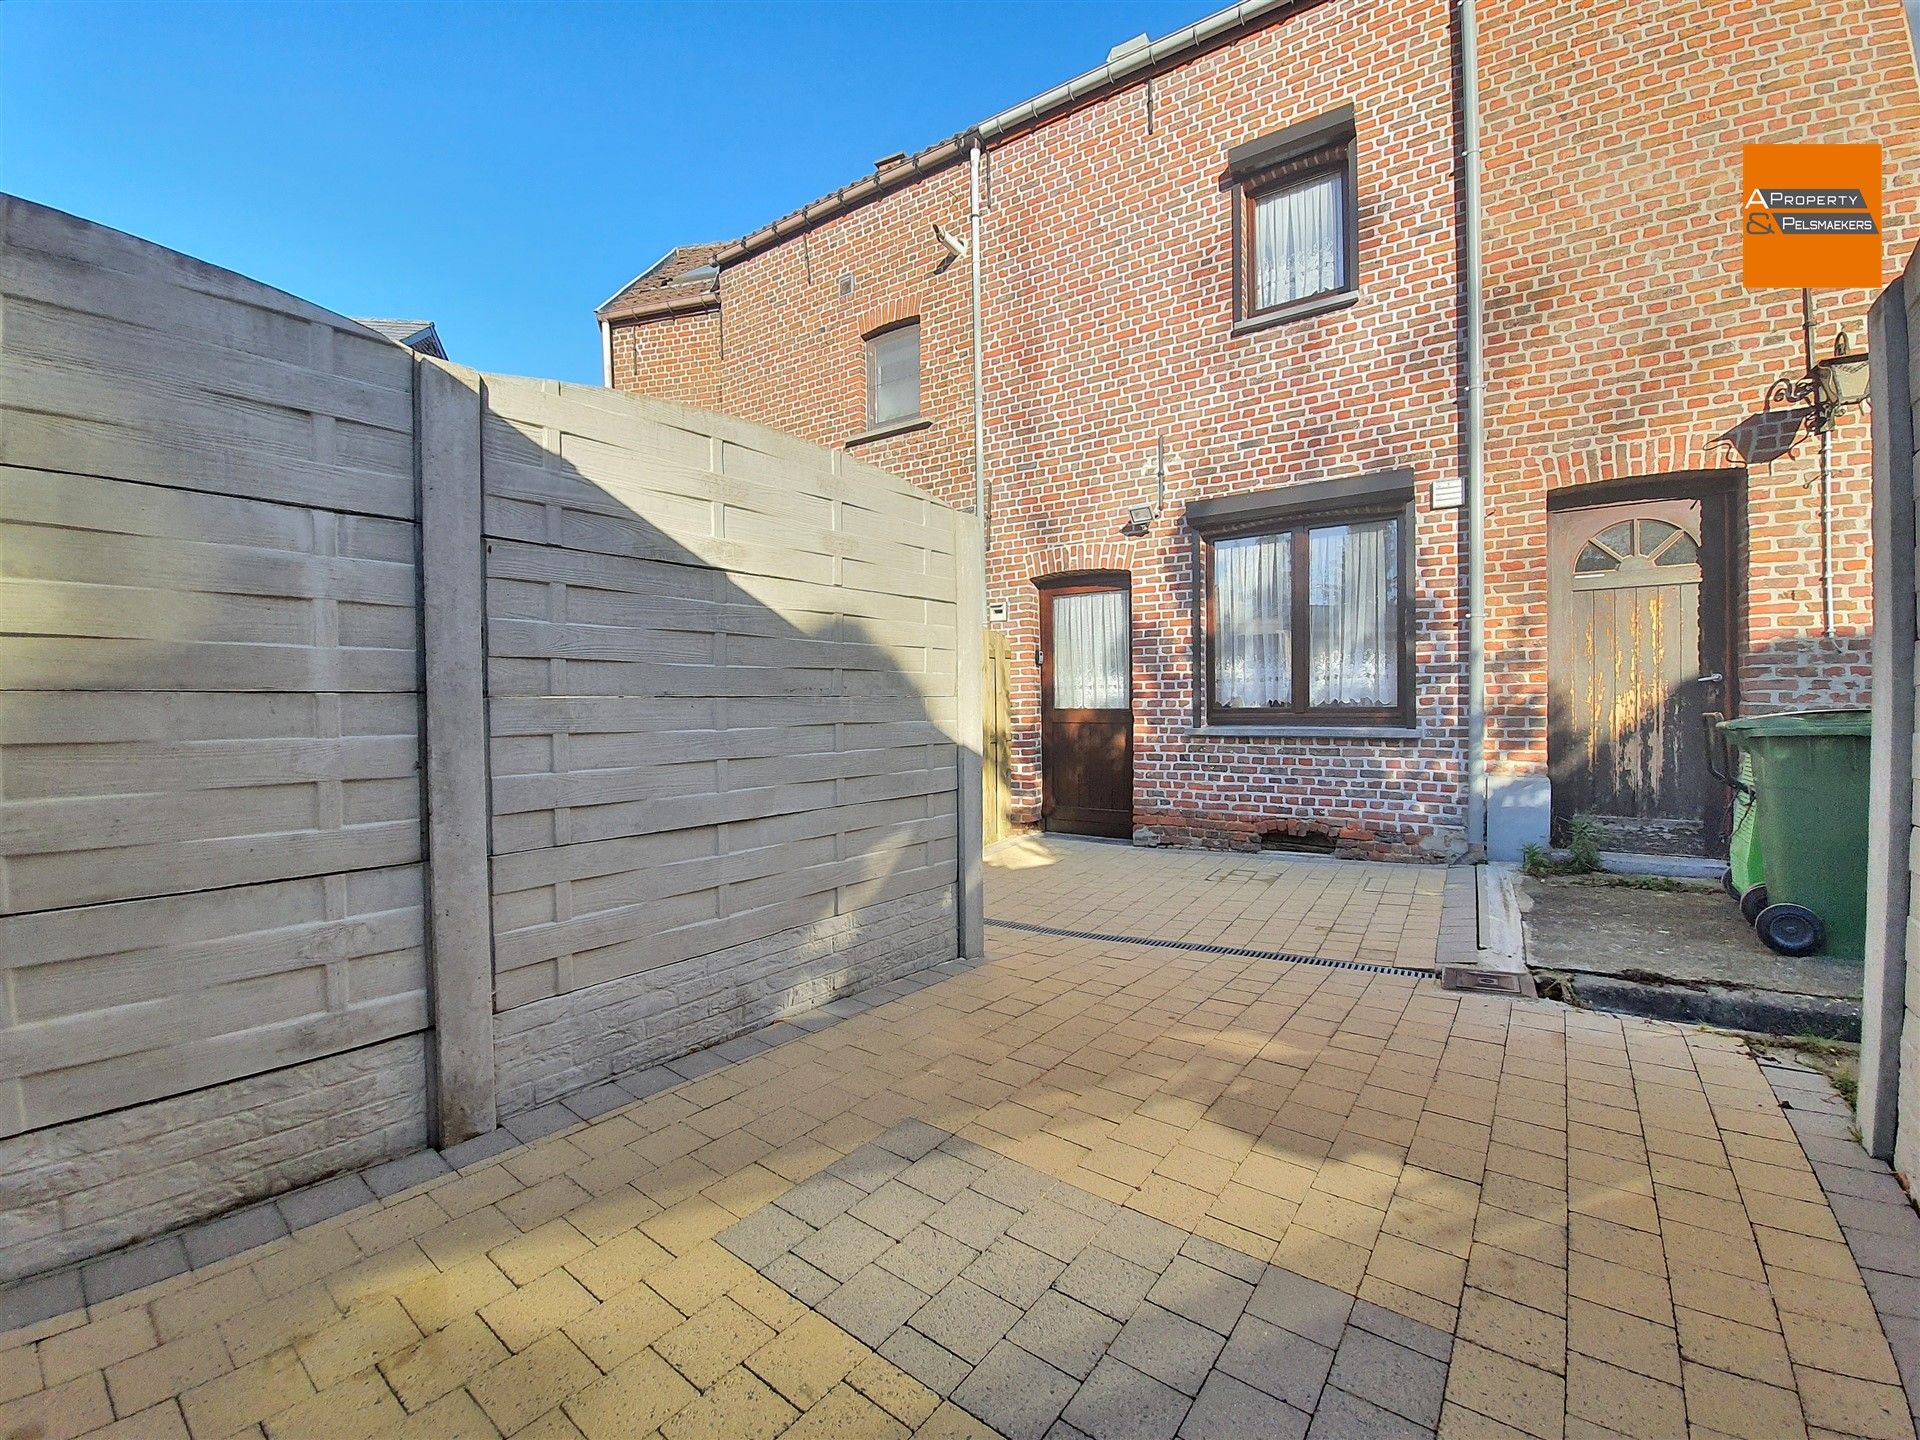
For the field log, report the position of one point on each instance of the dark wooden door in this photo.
(1086, 707)
(1637, 654)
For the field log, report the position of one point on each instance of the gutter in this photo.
(947, 152)
(1476, 437)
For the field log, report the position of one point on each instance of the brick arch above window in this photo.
(893, 312)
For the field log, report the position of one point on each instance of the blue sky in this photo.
(498, 168)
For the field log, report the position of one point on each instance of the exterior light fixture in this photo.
(1140, 518)
(1831, 385)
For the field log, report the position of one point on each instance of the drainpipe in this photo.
(606, 354)
(1476, 440)
(979, 343)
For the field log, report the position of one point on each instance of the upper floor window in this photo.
(1296, 241)
(893, 374)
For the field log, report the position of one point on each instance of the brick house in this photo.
(1222, 431)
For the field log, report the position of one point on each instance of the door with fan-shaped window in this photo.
(1634, 663)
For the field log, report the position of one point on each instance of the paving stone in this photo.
(767, 1233)
(1431, 1342)
(1016, 1273)
(1228, 1409)
(1018, 1395)
(1223, 1258)
(1051, 1226)
(799, 1279)
(927, 1260)
(872, 1305)
(596, 1100)
(406, 1172)
(1106, 1282)
(302, 1208)
(935, 1367)
(1347, 1417)
(479, 1148)
(1012, 1183)
(819, 1200)
(894, 1209)
(1141, 1238)
(1391, 1376)
(911, 1139)
(1303, 1306)
(1287, 1366)
(645, 1084)
(965, 1319)
(842, 1247)
(1117, 1402)
(868, 1168)
(939, 1175)
(1066, 1334)
(542, 1120)
(1201, 1293)
(973, 1219)
(1174, 1350)
(40, 1297)
(222, 1239)
(132, 1268)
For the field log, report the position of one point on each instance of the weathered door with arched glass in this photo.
(1629, 678)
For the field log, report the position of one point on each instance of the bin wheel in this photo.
(1726, 883)
(1790, 929)
(1753, 902)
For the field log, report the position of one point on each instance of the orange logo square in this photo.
(1810, 217)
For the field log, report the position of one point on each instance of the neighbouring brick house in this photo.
(1223, 400)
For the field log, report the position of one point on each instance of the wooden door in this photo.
(1637, 654)
(1086, 707)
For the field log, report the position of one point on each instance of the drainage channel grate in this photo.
(1238, 951)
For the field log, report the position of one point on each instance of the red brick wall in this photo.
(670, 357)
(796, 348)
(1620, 340)
(1617, 348)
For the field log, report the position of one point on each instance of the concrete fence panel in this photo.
(723, 693)
(386, 748)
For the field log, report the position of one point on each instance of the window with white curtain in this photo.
(1296, 227)
(1307, 622)
(893, 374)
(1299, 245)
(1092, 650)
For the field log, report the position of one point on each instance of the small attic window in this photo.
(846, 286)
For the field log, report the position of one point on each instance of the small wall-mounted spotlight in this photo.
(1139, 517)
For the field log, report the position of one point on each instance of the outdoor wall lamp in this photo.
(1141, 517)
(1829, 386)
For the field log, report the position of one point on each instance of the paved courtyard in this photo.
(1091, 1187)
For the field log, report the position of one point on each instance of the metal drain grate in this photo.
(1201, 947)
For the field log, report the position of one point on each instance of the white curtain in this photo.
(1354, 586)
(1252, 622)
(1092, 653)
(1297, 245)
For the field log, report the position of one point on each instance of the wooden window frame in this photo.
(1296, 512)
(867, 342)
(1321, 146)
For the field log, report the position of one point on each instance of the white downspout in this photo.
(1476, 442)
(979, 356)
(606, 354)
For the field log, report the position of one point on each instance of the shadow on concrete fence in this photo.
(385, 748)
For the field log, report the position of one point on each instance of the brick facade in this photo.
(1615, 350)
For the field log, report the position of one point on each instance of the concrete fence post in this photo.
(970, 623)
(1883, 1006)
(447, 411)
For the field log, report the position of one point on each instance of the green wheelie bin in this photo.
(1809, 773)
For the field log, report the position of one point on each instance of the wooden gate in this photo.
(997, 732)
